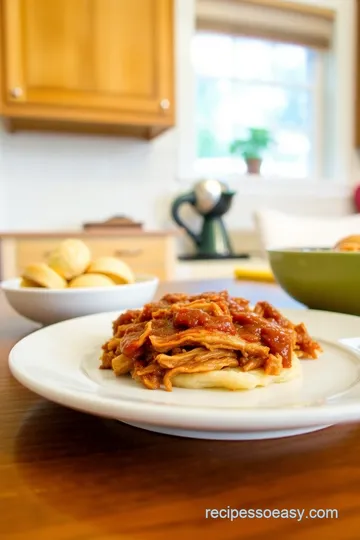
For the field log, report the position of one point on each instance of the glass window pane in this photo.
(271, 106)
(245, 82)
(296, 110)
(253, 59)
(293, 64)
(256, 105)
(213, 54)
(213, 117)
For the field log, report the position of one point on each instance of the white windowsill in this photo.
(262, 185)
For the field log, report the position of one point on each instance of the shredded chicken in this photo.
(121, 364)
(201, 333)
(199, 354)
(211, 341)
(305, 344)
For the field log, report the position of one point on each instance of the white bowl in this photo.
(48, 306)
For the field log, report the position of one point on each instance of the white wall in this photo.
(50, 181)
(60, 181)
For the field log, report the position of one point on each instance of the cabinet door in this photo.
(100, 54)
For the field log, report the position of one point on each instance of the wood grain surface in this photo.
(114, 61)
(70, 476)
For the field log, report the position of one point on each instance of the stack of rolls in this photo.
(70, 265)
(349, 243)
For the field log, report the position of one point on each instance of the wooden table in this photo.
(65, 475)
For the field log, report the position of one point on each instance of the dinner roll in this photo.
(114, 268)
(28, 283)
(70, 259)
(91, 280)
(349, 243)
(43, 276)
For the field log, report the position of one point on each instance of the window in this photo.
(244, 82)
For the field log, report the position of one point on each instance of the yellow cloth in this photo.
(254, 274)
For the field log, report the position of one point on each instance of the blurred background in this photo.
(116, 109)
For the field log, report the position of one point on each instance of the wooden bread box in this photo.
(145, 252)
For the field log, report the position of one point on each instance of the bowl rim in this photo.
(13, 284)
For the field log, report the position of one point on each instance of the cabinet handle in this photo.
(128, 252)
(165, 104)
(16, 92)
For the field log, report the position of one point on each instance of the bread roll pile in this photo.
(70, 265)
(349, 243)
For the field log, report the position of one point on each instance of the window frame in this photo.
(345, 163)
(205, 166)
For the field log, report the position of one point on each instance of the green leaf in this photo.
(253, 147)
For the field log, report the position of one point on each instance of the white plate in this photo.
(61, 362)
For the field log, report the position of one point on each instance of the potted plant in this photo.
(252, 148)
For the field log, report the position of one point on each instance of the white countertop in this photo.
(216, 268)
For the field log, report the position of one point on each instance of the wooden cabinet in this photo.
(93, 61)
(145, 253)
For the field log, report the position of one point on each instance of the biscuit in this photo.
(70, 259)
(28, 283)
(43, 276)
(236, 378)
(114, 268)
(91, 280)
(349, 243)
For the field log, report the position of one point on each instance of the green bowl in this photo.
(319, 278)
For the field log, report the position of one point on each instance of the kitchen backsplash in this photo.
(58, 181)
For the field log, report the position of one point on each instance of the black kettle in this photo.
(211, 199)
